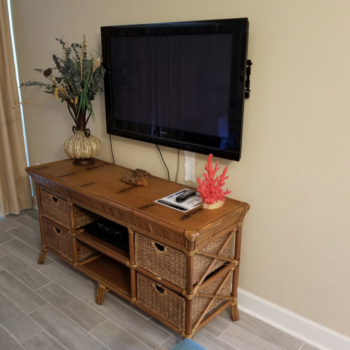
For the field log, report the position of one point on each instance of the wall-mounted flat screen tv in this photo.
(178, 84)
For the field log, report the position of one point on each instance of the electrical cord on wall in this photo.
(163, 161)
(110, 141)
(178, 161)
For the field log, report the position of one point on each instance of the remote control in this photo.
(185, 195)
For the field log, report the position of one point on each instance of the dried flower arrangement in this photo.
(210, 188)
(81, 78)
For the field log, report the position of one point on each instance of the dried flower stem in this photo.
(81, 56)
(65, 51)
(29, 101)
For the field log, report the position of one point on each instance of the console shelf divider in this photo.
(104, 247)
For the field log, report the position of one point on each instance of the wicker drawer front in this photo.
(170, 264)
(57, 209)
(171, 306)
(162, 301)
(61, 242)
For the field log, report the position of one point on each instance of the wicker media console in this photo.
(181, 268)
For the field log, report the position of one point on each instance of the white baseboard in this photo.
(291, 323)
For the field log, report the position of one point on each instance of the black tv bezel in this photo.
(166, 136)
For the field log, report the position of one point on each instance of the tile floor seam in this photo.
(73, 296)
(13, 337)
(25, 242)
(36, 290)
(128, 331)
(100, 324)
(100, 314)
(75, 324)
(7, 230)
(150, 320)
(203, 330)
(46, 330)
(108, 319)
(22, 281)
(162, 328)
(28, 228)
(31, 265)
(57, 264)
(255, 336)
(7, 216)
(50, 335)
(24, 313)
(18, 305)
(280, 347)
(39, 306)
(42, 331)
(127, 306)
(8, 241)
(17, 255)
(162, 343)
(116, 296)
(222, 331)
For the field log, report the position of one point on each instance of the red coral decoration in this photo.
(210, 188)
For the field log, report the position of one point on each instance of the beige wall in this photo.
(295, 167)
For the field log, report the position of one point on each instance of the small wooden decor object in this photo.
(181, 268)
(137, 177)
(210, 188)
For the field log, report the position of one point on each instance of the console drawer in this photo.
(61, 242)
(171, 306)
(57, 209)
(170, 264)
(162, 301)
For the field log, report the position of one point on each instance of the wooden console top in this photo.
(101, 182)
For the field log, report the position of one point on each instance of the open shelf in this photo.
(112, 274)
(104, 247)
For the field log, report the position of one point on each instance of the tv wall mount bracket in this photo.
(247, 81)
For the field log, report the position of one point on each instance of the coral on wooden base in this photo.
(215, 205)
(210, 188)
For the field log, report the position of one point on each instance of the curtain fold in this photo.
(15, 191)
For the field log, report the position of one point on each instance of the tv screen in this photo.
(178, 84)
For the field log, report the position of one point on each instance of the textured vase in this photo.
(215, 205)
(81, 146)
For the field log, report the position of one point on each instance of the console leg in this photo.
(234, 312)
(42, 257)
(100, 294)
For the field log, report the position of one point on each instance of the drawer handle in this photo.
(54, 199)
(159, 248)
(160, 289)
(57, 230)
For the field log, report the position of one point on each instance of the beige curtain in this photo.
(14, 182)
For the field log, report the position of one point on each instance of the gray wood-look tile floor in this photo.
(51, 306)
